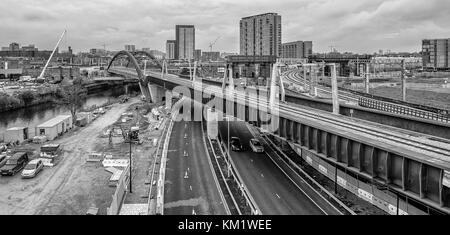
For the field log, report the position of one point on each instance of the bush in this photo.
(27, 97)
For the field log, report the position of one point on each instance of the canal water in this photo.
(33, 116)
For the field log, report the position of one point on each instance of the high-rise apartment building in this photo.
(185, 42)
(261, 35)
(170, 49)
(436, 53)
(297, 49)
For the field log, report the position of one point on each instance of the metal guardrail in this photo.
(399, 109)
(209, 143)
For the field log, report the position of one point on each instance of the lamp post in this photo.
(129, 139)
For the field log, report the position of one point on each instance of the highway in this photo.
(198, 194)
(272, 191)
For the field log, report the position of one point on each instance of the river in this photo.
(33, 116)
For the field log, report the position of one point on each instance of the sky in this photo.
(361, 26)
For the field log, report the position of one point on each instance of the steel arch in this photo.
(132, 58)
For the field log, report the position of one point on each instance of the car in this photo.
(236, 144)
(33, 168)
(3, 159)
(14, 164)
(256, 146)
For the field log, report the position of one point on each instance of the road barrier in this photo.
(119, 194)
(400, 109)
(208, 143)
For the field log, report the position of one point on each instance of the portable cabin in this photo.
(16, 134)
(86, 115)
(55, 127)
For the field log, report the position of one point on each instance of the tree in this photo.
(73, 96)
(27, 97)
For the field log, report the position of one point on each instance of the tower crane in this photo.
(213, 43)
(51, 56)
(211, 46)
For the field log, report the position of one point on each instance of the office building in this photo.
(170, 49)
(185, 42)
(130, 48)
(211, 56)
(29, 48)
(159, 55)
(198, 55)
(261, 35)
(14, 46)
(436, 53)
(297, 49)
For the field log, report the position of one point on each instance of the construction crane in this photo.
(51, 56)
(210, 51)
(212, 44)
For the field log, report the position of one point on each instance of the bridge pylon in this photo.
(276, 78)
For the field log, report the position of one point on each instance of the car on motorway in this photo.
(256, 146)
(236, 144)
(33, 168)
(14, 164)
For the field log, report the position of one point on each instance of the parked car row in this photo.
(11, 165)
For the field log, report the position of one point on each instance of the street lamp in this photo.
(129, 139)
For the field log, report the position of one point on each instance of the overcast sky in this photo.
(349, 25)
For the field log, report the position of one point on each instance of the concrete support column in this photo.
(367, 78)
(224, 81)
(273, 86)
(195, 71)
(403, 81)
(312, 80)
(230, 80)
(334, 89)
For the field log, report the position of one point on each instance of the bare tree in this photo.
(74, 97)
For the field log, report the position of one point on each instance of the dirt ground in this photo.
(72, 186)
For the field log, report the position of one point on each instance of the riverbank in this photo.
(29, 97)
(26, 98)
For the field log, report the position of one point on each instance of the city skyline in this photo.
(362, 26)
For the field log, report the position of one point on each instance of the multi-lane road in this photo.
(198, 193)
(272, 191)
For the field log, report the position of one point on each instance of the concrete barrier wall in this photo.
(119, 194)
(396, 120)
(386, 201)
